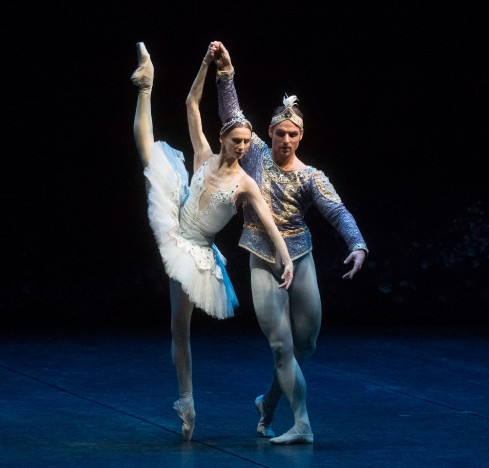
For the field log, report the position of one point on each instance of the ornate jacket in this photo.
(289, 194)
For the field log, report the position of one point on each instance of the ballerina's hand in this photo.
(221, 56)
(287, 276)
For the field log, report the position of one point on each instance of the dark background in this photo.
(395, 104)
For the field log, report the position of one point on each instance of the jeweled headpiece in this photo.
(288, 113)
(238, 118)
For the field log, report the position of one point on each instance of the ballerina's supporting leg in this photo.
(182, 356)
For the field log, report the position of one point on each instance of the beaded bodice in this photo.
(202, 224)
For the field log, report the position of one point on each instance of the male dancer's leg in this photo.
(272, 310)
(305, 308)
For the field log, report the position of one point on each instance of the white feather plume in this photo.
(289, 101)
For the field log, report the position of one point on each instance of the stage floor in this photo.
(376, 398)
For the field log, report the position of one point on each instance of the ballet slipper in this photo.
(144, 75)
(299, 434)
(185, 411)
(263, 428)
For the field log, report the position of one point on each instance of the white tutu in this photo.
(195, 267)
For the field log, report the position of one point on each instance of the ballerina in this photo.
(185, 218)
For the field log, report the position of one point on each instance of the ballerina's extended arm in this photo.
(202, 149)
(263, 211)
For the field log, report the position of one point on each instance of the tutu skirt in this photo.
(200, 270)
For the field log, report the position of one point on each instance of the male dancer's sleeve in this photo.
(329, 204)
(229, 108)
(227, 98)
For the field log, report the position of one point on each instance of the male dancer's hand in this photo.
(221, 56)
(357, 257)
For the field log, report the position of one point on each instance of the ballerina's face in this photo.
(236, 142)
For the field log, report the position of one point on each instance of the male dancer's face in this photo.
(285, 138)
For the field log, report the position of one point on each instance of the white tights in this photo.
(291, 321)
(181, 315)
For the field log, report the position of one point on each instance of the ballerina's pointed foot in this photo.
(144, 74)
(185, 411)
(143, 53)
(298, 434)
(264, 427)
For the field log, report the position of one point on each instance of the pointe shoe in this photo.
(185, 411)
(298, 434)
(265, 430)
(144, 74)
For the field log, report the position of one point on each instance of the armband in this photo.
(359, 246)
(225, 75)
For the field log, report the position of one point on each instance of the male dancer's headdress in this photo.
(238, 118)
(288, 113)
